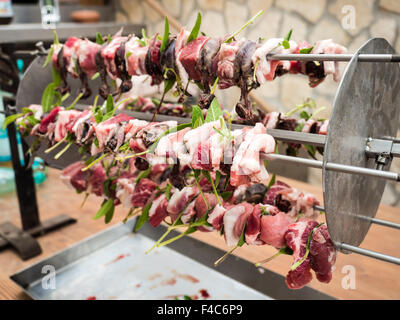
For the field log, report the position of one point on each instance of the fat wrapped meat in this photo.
(158, 211)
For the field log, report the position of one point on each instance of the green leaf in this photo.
(167, 191)
(287, 38)
(229, 39)
(242, 241)
(95, 76)
(141, 42)
(98, 116)
(11, 119)
(286, 250)
(305, 115)
(56, 77)
(106, 206)
(32, 120)
(109, 214)
(55, 41)
(272, 181)
(48, 97)
(109, 39)
(197, 117)
(214, 87)
(299, 127)
(72, 105)
(186, 297)
(286, 44)
(65, 97)
(165, 39)
(168, 84)
(99, 38)
(109, 104)
(226, 195)
(306, 50)
(143, 174)
(58, 97)
(143, 217)
(298, 263)
(217, 178)
(214, 112)
(196, 28)
(144, 37)
(311, 150)
(49, 56)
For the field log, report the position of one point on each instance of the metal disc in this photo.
(30, 90)
(366, 105)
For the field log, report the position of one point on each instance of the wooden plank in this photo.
(374, 279)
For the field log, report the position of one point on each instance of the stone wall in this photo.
(348, 22)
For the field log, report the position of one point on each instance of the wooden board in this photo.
(374, 279)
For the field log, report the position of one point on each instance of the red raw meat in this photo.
(44, 123)
(253, 226)
(297, 238)
(143, 192)
(75, 176)
(271, 194)
(273, 229)
(323, 254)
(190, 55)
(97, 179)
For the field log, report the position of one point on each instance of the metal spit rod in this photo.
(372, 220)
(336, 167)
(368, 253)
(335, 57)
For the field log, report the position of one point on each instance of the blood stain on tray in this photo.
(204, 293)
(168, 282)
(186, 277)
(155, 276)
(91, 298)
(121, 256)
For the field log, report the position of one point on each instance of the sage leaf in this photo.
(99, 38)
(11, 119)
(197, 117)
(165, 39)
(48, 97)
(214, 112)
(196, 28)
(106, 206)
(143, 217)
(306, 50)
(49, 56)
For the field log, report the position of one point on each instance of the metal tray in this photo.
(113, 265)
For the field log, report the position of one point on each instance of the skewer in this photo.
(393, 176)
(372, 220)
(335, 57)
(368, 253)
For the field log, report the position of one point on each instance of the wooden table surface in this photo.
(373, 279)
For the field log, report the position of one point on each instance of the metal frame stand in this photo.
(22, 240)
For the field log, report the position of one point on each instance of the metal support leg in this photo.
(23, 240)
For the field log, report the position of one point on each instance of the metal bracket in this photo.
(23, 241)
(26, 246)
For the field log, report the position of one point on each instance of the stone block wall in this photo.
(348, 22)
